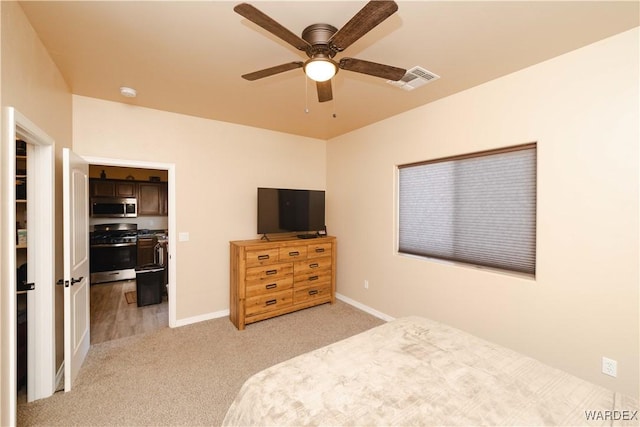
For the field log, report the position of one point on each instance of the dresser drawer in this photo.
(312, 265)
(312, 278)
(291, 253)
(315, 250)
(270, 302)
(261, 256)
(265, 287)
(268, 272)
(310, 293)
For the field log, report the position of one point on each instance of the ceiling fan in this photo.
(321, 42)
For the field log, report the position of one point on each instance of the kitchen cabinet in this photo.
(152, 198)
(112, 188)
(146, 250)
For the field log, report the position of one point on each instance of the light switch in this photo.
(183, 236)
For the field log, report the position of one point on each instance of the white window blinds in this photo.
(478, 209)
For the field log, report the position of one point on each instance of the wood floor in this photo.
(112, 317)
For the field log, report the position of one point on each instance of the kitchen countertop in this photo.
(161, 235)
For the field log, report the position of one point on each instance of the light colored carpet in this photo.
(187, 375)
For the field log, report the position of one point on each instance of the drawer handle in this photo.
(270, 272)
(263, 257)
(319, 250)
(314, 265)
(313, 278)
(271, 286)
(270, 302)
(295, 253)
(313, 292)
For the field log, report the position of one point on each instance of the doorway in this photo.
(128, 251)
(149, 220)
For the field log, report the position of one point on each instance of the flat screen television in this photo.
(283, 210)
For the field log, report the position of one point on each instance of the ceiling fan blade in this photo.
(259, 18)
(273, 70)
(372, 14)
(372, 68)
(324, 91)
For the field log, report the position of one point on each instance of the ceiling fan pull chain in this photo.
(306, 94)
(333, 104)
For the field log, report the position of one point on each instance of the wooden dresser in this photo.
(277, 277)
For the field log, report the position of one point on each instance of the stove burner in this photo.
(114, 234)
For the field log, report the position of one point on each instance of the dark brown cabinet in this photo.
(146, 250)
(152, 198)
(112, 188)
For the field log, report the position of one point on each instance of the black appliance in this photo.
(283, 210)
(114, 252)
(114, 207)
(149, 284)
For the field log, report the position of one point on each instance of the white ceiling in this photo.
(187, 56)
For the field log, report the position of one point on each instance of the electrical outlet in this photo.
(366, 284)
(609, 367)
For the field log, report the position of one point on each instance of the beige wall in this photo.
(33, 85)
(582, 109)
(218, 168)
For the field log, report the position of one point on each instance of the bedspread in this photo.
(414, 371)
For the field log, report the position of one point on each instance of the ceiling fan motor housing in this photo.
(318, 36)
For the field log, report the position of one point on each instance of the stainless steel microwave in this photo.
(114, 207)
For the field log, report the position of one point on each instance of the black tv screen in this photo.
(282, 210)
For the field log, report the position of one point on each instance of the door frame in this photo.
(41, 301)
(171, 169)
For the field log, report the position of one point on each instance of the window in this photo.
(478, 209)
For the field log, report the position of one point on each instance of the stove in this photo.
(110, 234)
(114, 249)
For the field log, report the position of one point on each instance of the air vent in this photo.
(415, 77)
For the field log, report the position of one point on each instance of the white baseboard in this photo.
(365, 308)
(59, 377)
(201, 318)
(224, 313)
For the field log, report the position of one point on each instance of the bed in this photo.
(414, 371)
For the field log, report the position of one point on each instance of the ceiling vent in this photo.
(415, 77)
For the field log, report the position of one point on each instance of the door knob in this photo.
(74, 281)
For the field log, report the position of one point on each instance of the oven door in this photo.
(113, 256)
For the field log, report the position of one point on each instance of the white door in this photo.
(40, 253)
(75, 182)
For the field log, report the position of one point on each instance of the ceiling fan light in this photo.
(320, 69)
